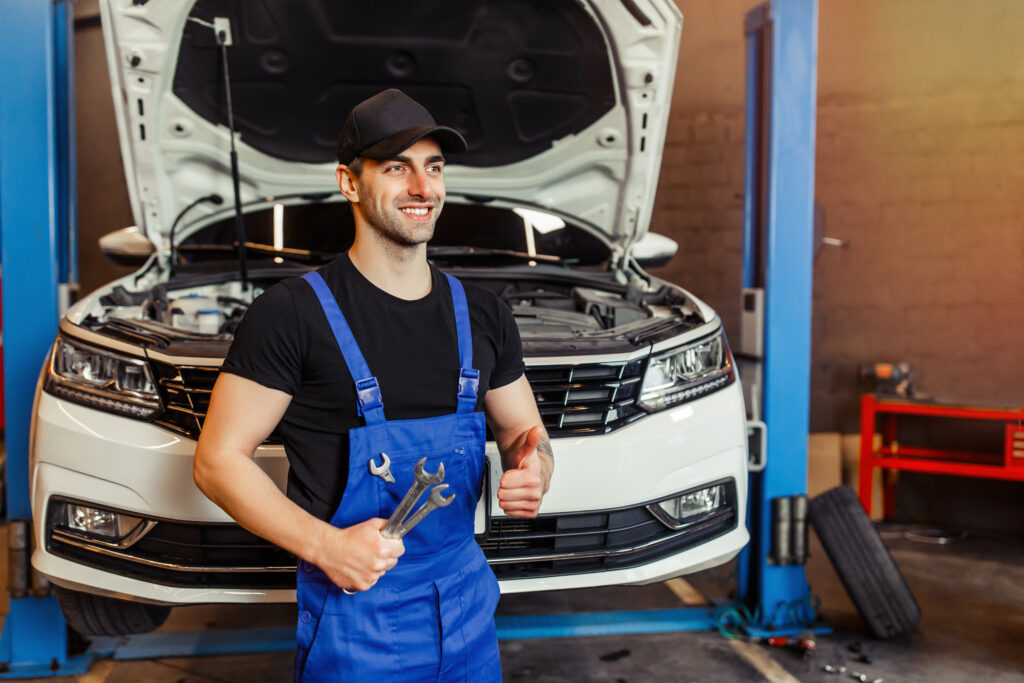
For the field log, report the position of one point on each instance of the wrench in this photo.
(436, 500)
(423, 481)
(382, 471)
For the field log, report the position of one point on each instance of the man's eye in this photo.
(435, 168)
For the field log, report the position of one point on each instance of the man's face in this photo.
(401, 198)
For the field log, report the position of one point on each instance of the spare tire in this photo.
(863, 563)
(96, 615)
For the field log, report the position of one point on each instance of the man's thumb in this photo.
(530, 442)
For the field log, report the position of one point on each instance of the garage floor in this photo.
(971, 593)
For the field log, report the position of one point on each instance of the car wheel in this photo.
(95, 615)
(863, 563)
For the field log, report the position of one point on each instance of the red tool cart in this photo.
(878, 414)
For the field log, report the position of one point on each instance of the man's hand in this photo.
(356, 557)
(526, 453)
(528, 476)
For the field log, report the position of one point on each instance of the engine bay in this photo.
(545, 308)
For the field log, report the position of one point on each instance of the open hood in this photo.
(564, 103)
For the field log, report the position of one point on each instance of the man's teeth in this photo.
(416, 212)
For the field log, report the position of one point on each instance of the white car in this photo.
(565, 105)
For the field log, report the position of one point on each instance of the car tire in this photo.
(863, 563)
(95, 615)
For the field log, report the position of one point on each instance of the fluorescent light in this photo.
(279, 226)
(531, 243)
(542, 222)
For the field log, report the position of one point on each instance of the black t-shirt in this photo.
(284, 342)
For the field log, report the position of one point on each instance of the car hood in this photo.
(564, 103)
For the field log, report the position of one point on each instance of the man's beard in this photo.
(390, 226)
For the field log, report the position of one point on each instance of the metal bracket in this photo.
(222, 25)
(757, 445)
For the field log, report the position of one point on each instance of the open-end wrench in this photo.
(383, 471)
(423, 480)
(435, 501)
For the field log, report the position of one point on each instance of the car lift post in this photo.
(778, 230)
(36, 222)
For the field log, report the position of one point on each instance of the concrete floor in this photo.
(971, 594)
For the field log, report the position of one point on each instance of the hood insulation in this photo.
(511, 76)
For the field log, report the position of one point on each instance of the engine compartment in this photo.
(548, 307)
(210, 311)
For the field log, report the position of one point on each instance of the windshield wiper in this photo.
(471, 253)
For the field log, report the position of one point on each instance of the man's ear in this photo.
(347, 183)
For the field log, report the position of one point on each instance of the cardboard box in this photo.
(824, 462)
(851, 472)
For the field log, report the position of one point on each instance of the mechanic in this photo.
(437, 357)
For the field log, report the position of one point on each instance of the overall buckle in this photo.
(469, 382)
(368, 395)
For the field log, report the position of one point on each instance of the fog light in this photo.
(696, 504)
(89, 520)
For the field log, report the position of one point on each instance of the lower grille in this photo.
(595, 541)
(228, 556)
(187, 555)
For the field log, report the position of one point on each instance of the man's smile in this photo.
(418, 212)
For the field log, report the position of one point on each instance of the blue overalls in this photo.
(431, 617)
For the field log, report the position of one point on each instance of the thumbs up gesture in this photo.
(528, 474)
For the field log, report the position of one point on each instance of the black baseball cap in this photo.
(389, 123)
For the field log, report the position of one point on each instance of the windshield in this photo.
(326, 229)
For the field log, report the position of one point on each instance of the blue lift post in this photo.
(64, 102)
(36, 211)
(777, 258)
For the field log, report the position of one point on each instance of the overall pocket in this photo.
(449, 521)
(313, 591)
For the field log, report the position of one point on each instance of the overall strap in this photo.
(371, 407)
(469, 378)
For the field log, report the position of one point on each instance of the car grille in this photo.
(185, 391)
(227, 556)
(587, 399)
(573, 400)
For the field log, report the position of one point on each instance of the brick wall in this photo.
(920, 168)
(929, 191)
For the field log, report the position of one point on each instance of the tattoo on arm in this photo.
(544, 446)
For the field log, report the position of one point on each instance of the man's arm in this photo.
(242, 414)
(525, 449)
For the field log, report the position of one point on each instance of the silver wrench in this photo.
(435, 501)
(382, 471)
(423, 480)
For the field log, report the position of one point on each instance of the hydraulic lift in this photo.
(37, 253)
(37, 217)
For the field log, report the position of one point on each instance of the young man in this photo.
(380, 330)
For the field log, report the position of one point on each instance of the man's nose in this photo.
(419, 184)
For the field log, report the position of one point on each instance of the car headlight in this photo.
(685, 373)
(101, 379)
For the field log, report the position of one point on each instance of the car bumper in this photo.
(91, 456)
